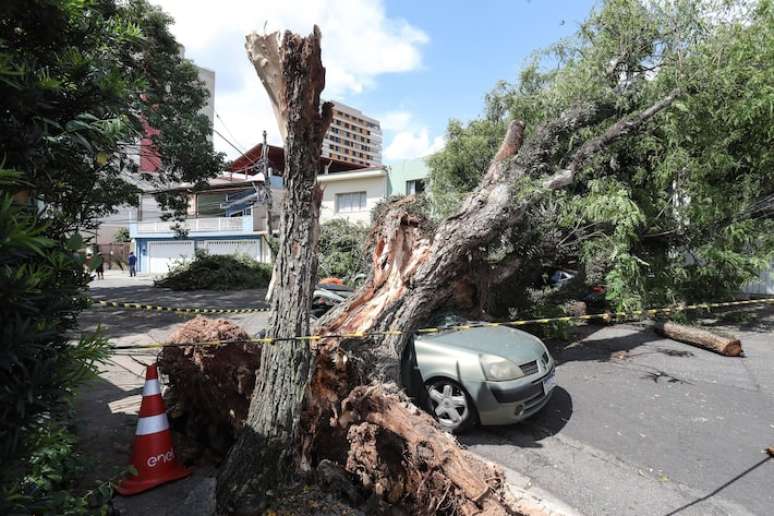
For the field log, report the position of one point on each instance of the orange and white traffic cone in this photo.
(153, 455)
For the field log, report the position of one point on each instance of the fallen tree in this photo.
(309, 403)
(728, 346)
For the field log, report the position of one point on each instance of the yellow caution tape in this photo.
(607, 316)
(157, 308)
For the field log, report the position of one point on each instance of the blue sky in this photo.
(411, 64)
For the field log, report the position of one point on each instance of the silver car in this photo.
(487, 375)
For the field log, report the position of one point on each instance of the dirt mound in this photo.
(210, 386)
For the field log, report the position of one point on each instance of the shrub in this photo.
(43, 284)
(216, 272)
(122, 236)
(342, 250)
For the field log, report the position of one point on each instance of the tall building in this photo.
(353, 137)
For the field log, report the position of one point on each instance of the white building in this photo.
(352, 195)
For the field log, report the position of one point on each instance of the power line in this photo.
(228, 130)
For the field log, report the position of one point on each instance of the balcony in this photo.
(208, 225)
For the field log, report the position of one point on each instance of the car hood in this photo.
(515, 345)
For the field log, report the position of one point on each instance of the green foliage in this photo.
(122, 236)
(43, 281)
(342, 250)
(48, 482)
(457, 169)
(683, 211)
(216, 272)
(78, 80)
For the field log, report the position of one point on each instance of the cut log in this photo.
(728, 346)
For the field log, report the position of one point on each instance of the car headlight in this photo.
(498, 369)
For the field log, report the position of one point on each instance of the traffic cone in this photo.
(153, 455)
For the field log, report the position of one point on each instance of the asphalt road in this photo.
(644, 425)
(127, 327)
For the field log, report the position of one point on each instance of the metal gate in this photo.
(162, 255)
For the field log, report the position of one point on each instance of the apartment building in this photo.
(353, 137)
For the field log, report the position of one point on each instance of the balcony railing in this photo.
(211, 224)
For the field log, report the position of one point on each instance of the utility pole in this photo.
(267, 198)
(267, 185)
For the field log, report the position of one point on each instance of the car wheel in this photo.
(450, 405)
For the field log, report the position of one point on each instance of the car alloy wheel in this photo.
(450, 404)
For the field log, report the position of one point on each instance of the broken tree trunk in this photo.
(728, 346)
(265, 452)
(415, 270)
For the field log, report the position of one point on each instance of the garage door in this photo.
(250, 248)
(161, 255)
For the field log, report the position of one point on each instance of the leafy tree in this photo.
(78, 81)
(342, 249)
(683, 212)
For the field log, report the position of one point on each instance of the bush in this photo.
(216, 272)
(342, 250)
(43, 283)
(122, 236)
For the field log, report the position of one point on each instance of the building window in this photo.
(415, 186)
(350, 202)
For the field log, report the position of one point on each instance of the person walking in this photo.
(132, 261)
(100, 270)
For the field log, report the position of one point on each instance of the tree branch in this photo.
(615, 132)
(543, 144)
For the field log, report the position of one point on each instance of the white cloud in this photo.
(395, 121)
(410, 140)
(360, 42)
(413, 144)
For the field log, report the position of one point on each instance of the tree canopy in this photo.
(78, 82)
(682, 212)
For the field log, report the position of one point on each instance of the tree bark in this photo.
(415, 270)
(728, 346)
(265, 452)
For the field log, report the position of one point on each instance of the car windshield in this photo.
(446, 319)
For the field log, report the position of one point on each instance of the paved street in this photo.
(133, 327)
(644, 425)
(639, 424)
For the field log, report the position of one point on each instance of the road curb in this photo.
(531, 500)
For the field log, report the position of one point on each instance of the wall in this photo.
(764, 285)
(406, 170)
(208, 78)
(373, 182)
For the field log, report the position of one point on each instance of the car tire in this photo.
(447, 398)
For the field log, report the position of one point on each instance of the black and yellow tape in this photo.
(187, 310)
(608, 316)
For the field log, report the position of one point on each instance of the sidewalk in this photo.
(107, 411)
